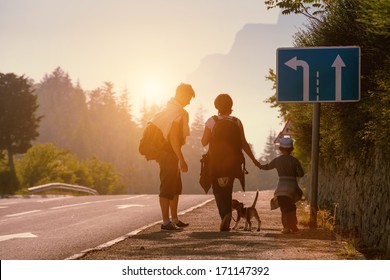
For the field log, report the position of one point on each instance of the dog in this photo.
(246, 213)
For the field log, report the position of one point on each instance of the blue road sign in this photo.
(322, 74)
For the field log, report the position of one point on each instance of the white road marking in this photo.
(132, 197)
(129, 205)
(22, 213)
(52, 199)
(73, 205)
(94, 202)
(17, 235)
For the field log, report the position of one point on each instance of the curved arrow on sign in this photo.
(294, 63)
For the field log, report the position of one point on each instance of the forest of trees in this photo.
(91, 138)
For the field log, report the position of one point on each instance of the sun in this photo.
(152, 90)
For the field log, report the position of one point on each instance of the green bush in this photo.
(45, 163)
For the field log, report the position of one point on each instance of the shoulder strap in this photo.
(235, 120)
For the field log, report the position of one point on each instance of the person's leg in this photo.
(164, 205)
(173, 205)
(283, 204)
(223, 199)
(169, 171)
(218, 200)
(176, 190)
(292, 220)
(227, 200)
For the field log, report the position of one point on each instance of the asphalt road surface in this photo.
(60, 227)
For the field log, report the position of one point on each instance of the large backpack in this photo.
(225, 150)
(152, 142)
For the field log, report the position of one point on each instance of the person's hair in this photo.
(289, 150)
(223, 103)
(184, 90)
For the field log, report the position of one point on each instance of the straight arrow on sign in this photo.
(338, 64)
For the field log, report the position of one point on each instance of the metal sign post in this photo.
(315, 151)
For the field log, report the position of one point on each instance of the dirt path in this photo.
(202, 240)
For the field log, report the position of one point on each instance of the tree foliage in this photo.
(270, 150)
(103, 177)
(64, 110)
(269, 178)
(309, 8)
(46, 163)
(18, 120)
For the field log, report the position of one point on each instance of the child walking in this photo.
(289, 168)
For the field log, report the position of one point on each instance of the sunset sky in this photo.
(146, 46)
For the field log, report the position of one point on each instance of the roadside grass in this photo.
(326, 221)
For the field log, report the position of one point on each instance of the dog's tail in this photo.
(255, 201)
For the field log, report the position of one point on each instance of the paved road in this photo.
(58, 228)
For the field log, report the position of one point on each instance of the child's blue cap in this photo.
(286, 142)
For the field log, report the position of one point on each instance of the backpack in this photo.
(152, 142)
(225, 150)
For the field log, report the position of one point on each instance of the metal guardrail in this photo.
(62, 186)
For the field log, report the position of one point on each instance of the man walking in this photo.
(173, 120)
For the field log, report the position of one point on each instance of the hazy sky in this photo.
(147, 46)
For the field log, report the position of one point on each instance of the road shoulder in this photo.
(202, 240)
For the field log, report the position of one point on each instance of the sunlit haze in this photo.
(147, 47)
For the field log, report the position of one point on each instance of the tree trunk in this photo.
(13, 183)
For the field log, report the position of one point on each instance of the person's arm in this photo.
(268, 166)
(206, 136)
(175, 140)
(247, 148)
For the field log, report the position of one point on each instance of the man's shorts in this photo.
(170, 179)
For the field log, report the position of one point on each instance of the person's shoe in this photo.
(225, 223)
(180, 224)
(285, 231)
(170, 226)
(294, 229)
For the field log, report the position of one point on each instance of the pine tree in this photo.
(18, 120)
(270, 151)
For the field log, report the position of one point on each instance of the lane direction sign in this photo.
(320, 74)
